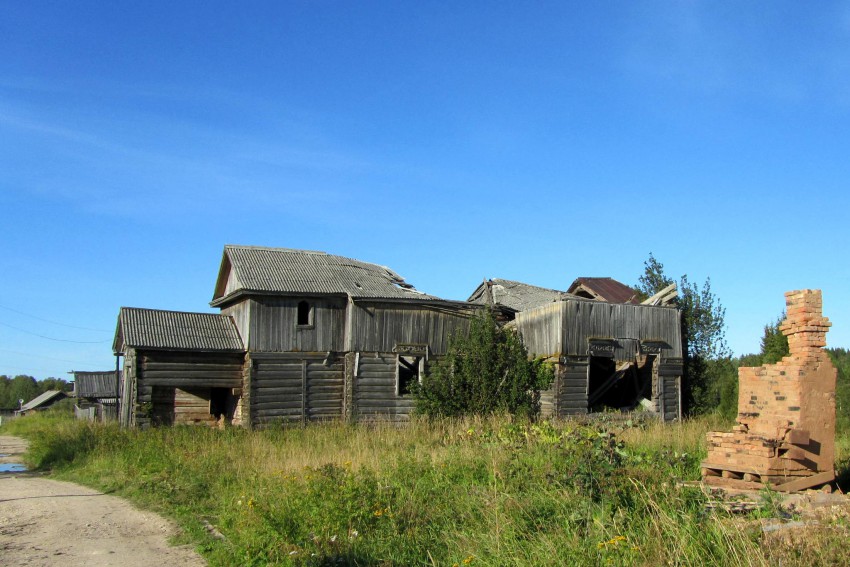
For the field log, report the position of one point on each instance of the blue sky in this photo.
(450, 141)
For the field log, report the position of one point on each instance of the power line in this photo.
(40, 356)
(52, 322)
(53, 339)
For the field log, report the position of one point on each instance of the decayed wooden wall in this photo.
(294, 387)
(563, 328)
(270, 324)
(376, 389)
(164, 387)
(380, 327)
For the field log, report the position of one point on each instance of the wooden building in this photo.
(97, 394)
(607, 355)
(329, 337)
(308, 336)
(178, 367)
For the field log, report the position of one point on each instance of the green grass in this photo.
(482, 491)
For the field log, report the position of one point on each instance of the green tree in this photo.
(484, 371)
(22, 388)
(703, 335)
(774, 344)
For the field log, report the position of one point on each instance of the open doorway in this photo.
(619, 385)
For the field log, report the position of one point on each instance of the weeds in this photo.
(476, 491)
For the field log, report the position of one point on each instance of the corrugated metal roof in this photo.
(42, 399)
(288, 271)
(608, 289)
(95, 384)
(176, 330)
(516, 295)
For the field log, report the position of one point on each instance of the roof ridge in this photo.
(125, 308)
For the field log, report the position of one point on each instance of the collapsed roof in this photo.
(516, 296)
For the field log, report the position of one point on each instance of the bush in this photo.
(485, 371)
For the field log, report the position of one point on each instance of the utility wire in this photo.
(40, 356)
(53, 339)
(52, 322)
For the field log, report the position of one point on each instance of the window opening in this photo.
(409, 372)
(305, 313)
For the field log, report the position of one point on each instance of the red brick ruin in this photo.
(785, 436)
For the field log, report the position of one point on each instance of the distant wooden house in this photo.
(42, 401)
(96, 394)
(329, 337)
(613, 355)
(178, 368)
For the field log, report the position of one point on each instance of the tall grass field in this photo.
(492, 491)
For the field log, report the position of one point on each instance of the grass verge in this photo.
(477, 491)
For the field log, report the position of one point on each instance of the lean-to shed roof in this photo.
(43, 399)
(175, 330)
(515, 295)
(603, 289)
(254, 269)
(100, 384)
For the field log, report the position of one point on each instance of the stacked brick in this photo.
(785, 434)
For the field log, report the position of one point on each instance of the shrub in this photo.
(485, 371)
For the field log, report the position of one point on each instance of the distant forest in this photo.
(25, 388)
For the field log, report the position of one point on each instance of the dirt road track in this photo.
(47, 522)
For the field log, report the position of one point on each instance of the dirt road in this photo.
(47, 522)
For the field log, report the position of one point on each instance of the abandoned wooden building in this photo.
(96, 394)
(607, 354)
(327, 336)
(305, 336)
(302, 336)
(178, 367)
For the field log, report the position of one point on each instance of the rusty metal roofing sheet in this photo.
(609, 289)
(176, 330)
(284, 270)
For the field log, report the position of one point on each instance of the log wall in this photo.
(295, 388)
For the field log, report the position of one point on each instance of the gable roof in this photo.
(515, 295)
(43, 399)
(259, 270)
(175, 330)
(101, 384)
(603, 289)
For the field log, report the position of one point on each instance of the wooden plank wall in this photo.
(295, 387)
(670, 375)
(375, 389)
(155, 377)
(240, 312)
(378, 327)
(273, 326)
(563, 328)
(572, 387)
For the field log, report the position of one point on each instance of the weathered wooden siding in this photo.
(563, 328)
(295, 387)
(670, 399)
(375, 389)
(572, 387)
(159, 386)
(379, 327)
(273, 325)
(240, 313)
